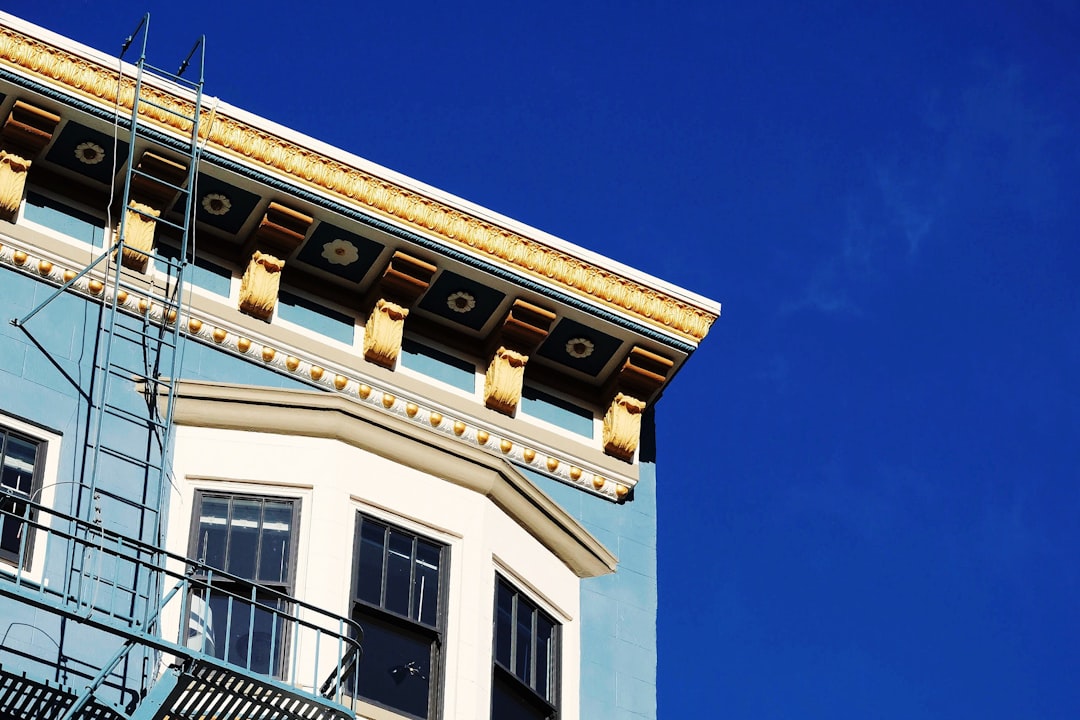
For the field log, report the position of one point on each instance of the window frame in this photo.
(286, 588)
(47, 468)
(37, 472)
(410, 626)
(500, 673)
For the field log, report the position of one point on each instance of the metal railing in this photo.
(207, 616)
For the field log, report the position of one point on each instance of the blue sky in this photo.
(869, 491)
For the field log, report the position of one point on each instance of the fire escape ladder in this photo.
(118, 577)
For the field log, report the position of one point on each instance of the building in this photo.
(284, 434)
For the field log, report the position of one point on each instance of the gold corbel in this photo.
(279, 233)
(641, 376)
(259, 286)
(523, 329)
(25, 134)
(405, 279)
(153, 190)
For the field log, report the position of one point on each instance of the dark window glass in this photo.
(398, 579)
(250, 537)
(525, 658)
(399, 562)
(510, 702)
(396, 668)
(19, 471)
(369, 566)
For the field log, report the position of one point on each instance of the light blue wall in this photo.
(618, 611)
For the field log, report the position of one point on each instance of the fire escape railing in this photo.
(307, 649)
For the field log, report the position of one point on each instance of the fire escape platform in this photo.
(208, 690)
(198, 685)
(26, 698)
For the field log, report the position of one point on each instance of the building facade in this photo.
(285, 434)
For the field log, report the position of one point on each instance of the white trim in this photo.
(343, 479)
(46, 492)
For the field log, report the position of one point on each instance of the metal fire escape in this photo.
(117, 578)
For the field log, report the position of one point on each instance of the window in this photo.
(526, 672)
(441, 366)
(558, 412)
(397, 599)
(59, 216)
(21, 458)
(253, 538)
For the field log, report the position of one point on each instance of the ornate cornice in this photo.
(308, 365)
(239, 139)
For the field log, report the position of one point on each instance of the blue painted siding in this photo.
(618, 611)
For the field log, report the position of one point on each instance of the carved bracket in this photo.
(504, 379)
(622, 426)
(405, 279)
(154, 184)
(522, 331)
(25, 134)
(139, 235)
(279, 234)
(642, 375)
(259, 286)
(384, 332)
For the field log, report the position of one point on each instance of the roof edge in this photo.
(456, 222)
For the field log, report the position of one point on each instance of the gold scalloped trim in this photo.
(208, 330)
(93, 81)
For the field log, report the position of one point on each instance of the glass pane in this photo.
(510, 701)
(398, 566)
(246, 635)
(213, 528)
(504, 626)
(523, 653)
(545, 650)
(10, 528)
(426, 585)
(18, 471)
(369, 572)
(244, 537)
(396, 667)
(276, 541)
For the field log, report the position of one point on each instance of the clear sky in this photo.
(870, 472)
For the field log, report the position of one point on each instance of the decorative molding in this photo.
(259, 286)
(315, 414)
(384, 332)
(153, 190)
(139, 225)
(622, 426)
(504, 379)
(523, 329)
(277, 236)
(13, 170)
(25, 133)
(313, 369)
(241, 140)
(281, 231)
(405, 279)
(641, 376)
